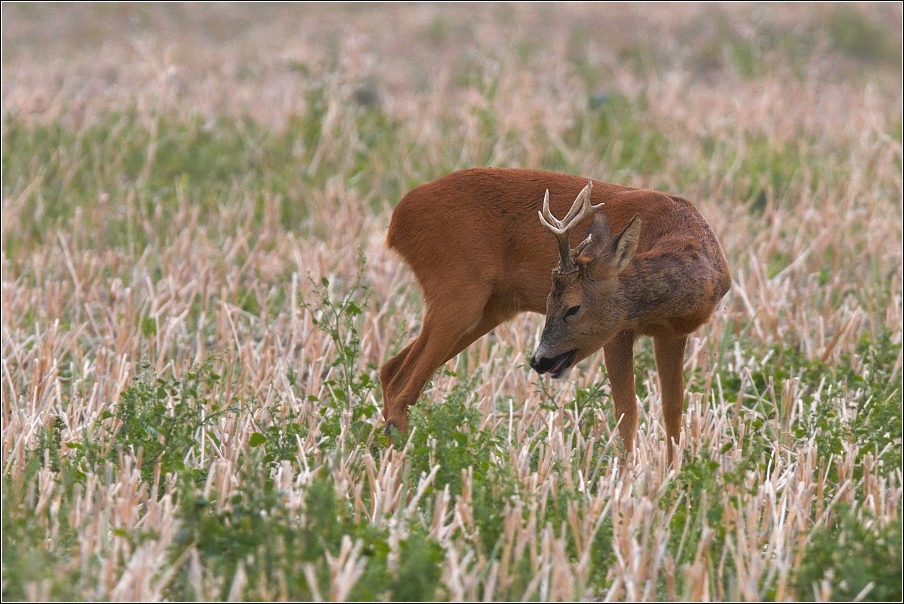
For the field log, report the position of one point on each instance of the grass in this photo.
(197, 298)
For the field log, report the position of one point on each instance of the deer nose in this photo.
(540, 364)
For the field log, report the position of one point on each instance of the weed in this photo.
(164, 435)
(449, 434)
(350, 389)
(855, 557)
(417, 579)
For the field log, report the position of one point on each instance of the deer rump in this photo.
(481, 255)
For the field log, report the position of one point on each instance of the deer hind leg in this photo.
(492, 316)
(391, 367)
(670, 365)
(619, 355)
(448, 328)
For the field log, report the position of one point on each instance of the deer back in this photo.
(478, 230)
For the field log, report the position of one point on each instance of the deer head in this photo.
(584, 309)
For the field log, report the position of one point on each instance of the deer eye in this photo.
(572, 311)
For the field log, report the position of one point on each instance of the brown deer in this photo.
(481, 256)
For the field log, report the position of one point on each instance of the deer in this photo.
(481, 257)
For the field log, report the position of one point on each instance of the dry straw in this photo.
(816, 267)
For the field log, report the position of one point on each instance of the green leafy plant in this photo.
(157, 421)
(350, 387)
(856, 557)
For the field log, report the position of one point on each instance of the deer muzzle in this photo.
(556, 366)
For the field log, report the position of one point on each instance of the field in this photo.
(197, 297)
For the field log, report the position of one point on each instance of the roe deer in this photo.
(481, 256)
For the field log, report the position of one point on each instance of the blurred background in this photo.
(259, 59)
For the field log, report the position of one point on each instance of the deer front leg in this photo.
(619, 355)
(670, 365)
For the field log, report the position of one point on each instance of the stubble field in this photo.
(196, 298)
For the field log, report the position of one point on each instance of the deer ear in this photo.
(595, 240)
(623, 245)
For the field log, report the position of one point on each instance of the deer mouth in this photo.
(562, 363)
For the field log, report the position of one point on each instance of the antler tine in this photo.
(580, 209)
(548, 220)
(581, 206)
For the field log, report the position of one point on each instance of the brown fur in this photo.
(479, 251)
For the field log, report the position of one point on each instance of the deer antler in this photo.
(562, 229)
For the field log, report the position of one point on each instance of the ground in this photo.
(197, 297)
